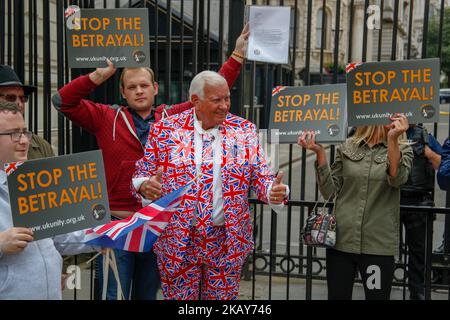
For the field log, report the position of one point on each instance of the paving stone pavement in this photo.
(297, 290)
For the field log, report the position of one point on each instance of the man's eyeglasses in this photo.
(15, 136)
(14, 97)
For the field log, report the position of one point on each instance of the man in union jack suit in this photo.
(210, 235)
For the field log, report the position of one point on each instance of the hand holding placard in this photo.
(308, 141)
(100, 75)
(15, 240)
(241, 44)
(398, 126)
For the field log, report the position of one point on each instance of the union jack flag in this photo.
(138, 232)
(351, 66)
(277, 90)
(71, 10)
(12, 166)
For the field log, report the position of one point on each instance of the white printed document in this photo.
(269, 34)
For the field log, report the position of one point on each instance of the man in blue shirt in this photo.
(443, 175)
(29, 269)
(418, 191)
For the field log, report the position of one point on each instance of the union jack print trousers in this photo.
(199, 270)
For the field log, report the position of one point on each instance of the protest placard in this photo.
(269, 33)
(59, 195)
(376, 90)
(120, 35)
(321, 109)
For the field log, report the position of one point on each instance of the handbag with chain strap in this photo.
(320, 228)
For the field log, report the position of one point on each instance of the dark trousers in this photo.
(138, 274)
(377, 273)
(415, 233)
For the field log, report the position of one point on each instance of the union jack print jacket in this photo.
(243, 167)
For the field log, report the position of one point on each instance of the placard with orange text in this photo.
(58, 195)
(377, 90)
(320, 108)
(120, 35)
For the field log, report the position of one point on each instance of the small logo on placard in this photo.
(333, 130)
(139, 56)
(257, 52)
(98, 211)
(427, 111)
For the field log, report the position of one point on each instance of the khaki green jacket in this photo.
(39, 148)
(367, 206)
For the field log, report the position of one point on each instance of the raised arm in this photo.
(398, 126)
(69, 99)
(328, 178)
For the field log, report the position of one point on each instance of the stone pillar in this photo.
(357, 33)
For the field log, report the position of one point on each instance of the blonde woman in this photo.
(365, 178)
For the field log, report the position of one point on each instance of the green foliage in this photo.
(330, 68)
(433, 42)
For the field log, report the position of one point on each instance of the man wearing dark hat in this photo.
(12, 90)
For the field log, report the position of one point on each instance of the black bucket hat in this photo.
(9, 78)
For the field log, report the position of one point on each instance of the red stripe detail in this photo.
(157, 229)
(120, 228)
(135, 240)
(106, 227)
(149, 211)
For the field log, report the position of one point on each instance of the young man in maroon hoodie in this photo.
(121, 134)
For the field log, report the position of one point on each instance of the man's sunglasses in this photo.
(14, 97)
